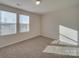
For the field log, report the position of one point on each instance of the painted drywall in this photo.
(34, 27)
(67, 17)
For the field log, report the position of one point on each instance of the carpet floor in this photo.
(32, 48)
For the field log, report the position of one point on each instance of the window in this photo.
(7, 23)
(23, 23)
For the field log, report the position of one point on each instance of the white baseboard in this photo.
(5, 45)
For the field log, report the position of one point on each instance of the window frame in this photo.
(15, 23)
(19, 23)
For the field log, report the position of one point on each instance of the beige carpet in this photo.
(63, 50)
(32, 48)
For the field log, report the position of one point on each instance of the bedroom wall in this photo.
(68, 18)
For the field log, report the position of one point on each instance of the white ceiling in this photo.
(44, 7)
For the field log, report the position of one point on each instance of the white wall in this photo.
(34, 27)
(67, 17)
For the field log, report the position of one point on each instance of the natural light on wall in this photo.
(68, 35)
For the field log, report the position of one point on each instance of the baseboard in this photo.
(18, 41)
(25, 40)
(48, 37)
(57, 39)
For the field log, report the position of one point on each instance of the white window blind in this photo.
(23, 23)
(7, 23)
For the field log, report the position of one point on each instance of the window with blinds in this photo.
(23, 23)
(7, 23)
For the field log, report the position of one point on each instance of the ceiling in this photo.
(44, 7)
